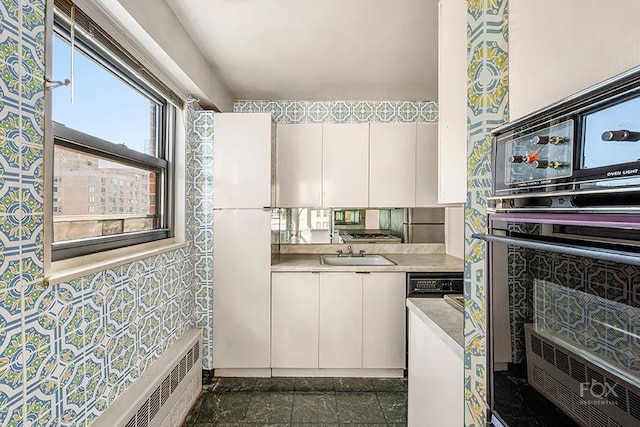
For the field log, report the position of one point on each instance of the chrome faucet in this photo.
(350, 250)
(340, 254)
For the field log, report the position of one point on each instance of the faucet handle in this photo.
(362, 253)
(339, 253)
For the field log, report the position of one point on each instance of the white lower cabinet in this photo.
(338, 320)
(435, 394)
(383, 320)
(294, 320)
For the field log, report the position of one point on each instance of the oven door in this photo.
(563, 320)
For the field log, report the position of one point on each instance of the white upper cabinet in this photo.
(392, 165)
(554, 55)
(452, 101)
(427, 165)
(242, 160)
(345, 165)
(299, 165)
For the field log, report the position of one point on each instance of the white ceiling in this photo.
(318, 49)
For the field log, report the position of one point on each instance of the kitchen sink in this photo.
(457, 301)
(355, 260)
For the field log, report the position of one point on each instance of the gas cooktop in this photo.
(370, 237)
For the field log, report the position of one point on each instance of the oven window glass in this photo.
(598, 151)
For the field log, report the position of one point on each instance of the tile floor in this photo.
(301, 402)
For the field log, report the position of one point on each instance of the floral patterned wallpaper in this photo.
(487, 107)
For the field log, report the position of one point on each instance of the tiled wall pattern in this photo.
(23, 346)
(200, 225)
(604, 328)
(68, 350)
(487, 107)
(342, 111)
(590, 303)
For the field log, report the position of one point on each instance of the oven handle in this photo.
(602, 254)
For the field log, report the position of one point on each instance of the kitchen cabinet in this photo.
(295, 304)
(242, 186)
(383, 319)
(299, 165)
(392, 164)
(340, 320)
(345, 165)
(426, 164)
(452, 101)
(242, 160)
(241, 295)
(436, 379)
(600, 44)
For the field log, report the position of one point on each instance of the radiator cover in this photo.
(557, 371)
(149, 401)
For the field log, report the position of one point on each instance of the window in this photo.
(117, 130)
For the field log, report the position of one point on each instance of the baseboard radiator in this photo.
(564, 377)
(165, 392)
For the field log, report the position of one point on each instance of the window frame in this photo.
(162, 164)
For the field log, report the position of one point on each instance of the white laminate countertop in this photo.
(443, 319)
(404, 262)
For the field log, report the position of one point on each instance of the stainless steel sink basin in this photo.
(355, 260)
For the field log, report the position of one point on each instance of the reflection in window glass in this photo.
(104, 106)
(77, 212)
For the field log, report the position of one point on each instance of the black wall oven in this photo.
(563, 296)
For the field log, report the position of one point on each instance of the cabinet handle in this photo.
(363, 272)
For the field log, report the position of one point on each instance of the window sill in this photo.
(62, 271)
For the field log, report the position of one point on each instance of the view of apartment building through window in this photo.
(87, 191)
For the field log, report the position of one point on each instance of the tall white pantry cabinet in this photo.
(242, 198)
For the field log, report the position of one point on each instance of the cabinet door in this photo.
(241, 295)
(345, 165)
(340, 320)
(242, 160)
(392, 165)
(383, 314)
(452, 102)
(295, 299)
(436, 379)
(427, 165)
(299, 165)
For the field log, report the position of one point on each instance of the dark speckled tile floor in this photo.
(301, 402)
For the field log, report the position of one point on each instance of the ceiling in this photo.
(318, 49)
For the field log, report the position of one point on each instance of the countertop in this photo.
(443, 319)
(404, 262)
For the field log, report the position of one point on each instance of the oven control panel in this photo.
(543, 155)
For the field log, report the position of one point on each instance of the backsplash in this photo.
(341, 111)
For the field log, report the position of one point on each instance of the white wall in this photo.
(152, 28)
(557, 48)
(454, 231)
